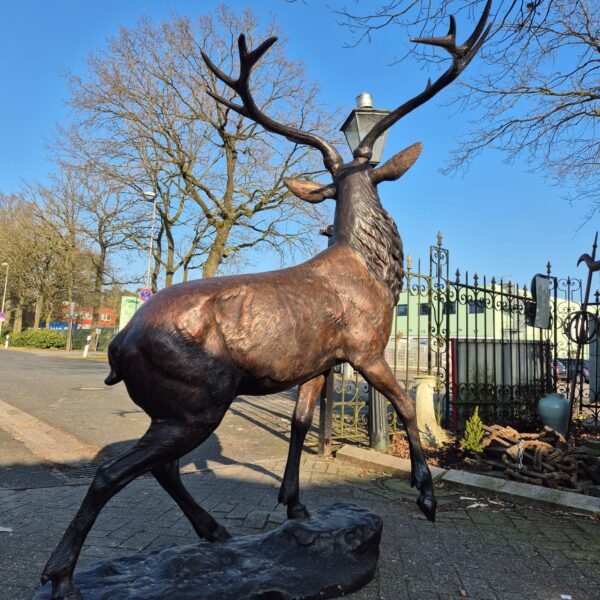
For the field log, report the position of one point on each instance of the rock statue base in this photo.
(330, 554)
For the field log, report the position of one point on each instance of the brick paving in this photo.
(496, 552)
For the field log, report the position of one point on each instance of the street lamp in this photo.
(360, 121)
(150, 195)
(4, 264)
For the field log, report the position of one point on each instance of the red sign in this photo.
(145, 294)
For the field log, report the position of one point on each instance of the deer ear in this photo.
(397, 165)
(309, 190)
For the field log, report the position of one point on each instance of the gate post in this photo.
(326, 416)
(379, 433)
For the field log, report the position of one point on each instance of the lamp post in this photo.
(4, 264)
(150, 196)
(360, 121)
(356, 126)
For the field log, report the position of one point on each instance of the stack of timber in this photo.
(540, 458)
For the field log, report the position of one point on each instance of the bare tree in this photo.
(537, 95)
(106, 223)
(143, 117)
(19, 247)
(58, 207)
(37, 282)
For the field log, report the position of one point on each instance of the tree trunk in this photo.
(69, 343)
(215, 256)
(169, 277)
(18, 321)
(169, 271)
(48, 318)
(186, 271)
(98, 281)
(41, 298)
(38, 312)
(157, 256)
(8, 310)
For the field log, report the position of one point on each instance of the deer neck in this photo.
(363, 223)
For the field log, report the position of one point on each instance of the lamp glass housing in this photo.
(359, 122)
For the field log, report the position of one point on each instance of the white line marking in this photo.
(44, 440)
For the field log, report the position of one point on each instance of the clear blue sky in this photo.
(498, 219)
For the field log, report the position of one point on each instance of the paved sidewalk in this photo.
(496, 551)
(477, 549)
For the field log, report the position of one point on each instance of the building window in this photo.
(424, 309)
(402, 310)
(449, 308)
(476, 307)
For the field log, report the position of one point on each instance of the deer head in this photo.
(358, 173)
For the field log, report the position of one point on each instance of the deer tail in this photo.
(113, 377)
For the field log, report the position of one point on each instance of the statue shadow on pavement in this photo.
(331, 553)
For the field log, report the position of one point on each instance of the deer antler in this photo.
(248, 59)
(461, 57)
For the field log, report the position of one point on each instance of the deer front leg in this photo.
(289, 494)
(380, 376)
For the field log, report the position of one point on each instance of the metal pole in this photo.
(4, 297)
(580, 336)
(151, 242)
(70, 330)
(379, 433)
(326, 416)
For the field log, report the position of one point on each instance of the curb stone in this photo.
(391, 465)
(515, 490)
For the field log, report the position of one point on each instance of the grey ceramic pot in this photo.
(554, 412)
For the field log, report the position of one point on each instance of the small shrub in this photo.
(474, 433)
(39, 338)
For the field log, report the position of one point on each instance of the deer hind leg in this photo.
(380, 376)
(164, 441)
(289, 493)
(203, 523)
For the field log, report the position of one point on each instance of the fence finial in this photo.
(548, 268)
(408, 262)
(439, 238)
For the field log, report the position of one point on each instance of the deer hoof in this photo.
(63, 587)
(427, 504)
(297, 512)
(220, 535)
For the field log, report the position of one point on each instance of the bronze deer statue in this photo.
(193, 347)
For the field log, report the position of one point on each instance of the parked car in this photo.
(570, 364)
(560, 369)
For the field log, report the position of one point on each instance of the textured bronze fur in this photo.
(193, 347)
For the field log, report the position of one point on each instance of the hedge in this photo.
(39, 338)
(80, 337)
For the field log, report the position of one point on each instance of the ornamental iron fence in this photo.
(488, 342)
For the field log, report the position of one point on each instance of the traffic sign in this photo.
(145, 294)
